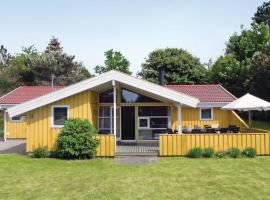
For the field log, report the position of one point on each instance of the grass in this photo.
(261, 124)
(23, 177)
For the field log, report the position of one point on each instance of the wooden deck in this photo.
(142, 149)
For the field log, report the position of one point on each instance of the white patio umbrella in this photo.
(248, 103)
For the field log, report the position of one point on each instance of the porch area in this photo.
(137, 149)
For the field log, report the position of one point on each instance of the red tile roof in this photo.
(25, 93)
(205, 93)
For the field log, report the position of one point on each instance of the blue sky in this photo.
(88, 28)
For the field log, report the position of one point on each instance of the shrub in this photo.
(234, 153)
(76, 140)
(250, 152)
(208, 152)
(41, 152)
(195, 153)
(221, 154)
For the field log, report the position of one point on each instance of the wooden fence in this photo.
(180, 144)
(253, 130)
(106, 147)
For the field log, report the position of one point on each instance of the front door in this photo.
(128, 122)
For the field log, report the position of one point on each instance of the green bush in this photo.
(234, 153)
(208, 152)
(41, 152)
(195, 153)
(221, 154)
(250, 152)
(76, 140)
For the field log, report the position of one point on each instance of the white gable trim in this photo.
(98, 80)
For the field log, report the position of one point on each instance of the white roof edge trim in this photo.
(227, 91)
(10, 92)
(98, 80)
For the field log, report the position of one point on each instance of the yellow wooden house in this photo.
(127, 108)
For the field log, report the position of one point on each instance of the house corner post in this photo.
(179, 109)
(114, 111)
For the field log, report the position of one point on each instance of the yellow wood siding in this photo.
(180, 144)
(191, 117)
(106, 147)
(15, 130)
(37, 128)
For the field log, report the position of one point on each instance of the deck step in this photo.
(136, 154)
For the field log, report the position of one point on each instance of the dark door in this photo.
(128, 123)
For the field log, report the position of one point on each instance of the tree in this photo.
(263, 14)
(4, 56)
(114, 60)
(179, 65)
(54, 46)
(231, 74)
(233, 70)
(260, 72)
(33, 68)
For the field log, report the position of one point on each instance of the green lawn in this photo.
(261, 124)
(172, 178)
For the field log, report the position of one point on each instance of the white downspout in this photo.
(179, 109)
(114, 110)
(5, 124)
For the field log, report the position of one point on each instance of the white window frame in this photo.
(206, 119)
(148, 123)
(17, 121)
(52, 115)
(110, 117)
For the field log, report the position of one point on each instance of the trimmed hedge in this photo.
(250, 152)
(234, 153)
(195, 153)
(208, 152)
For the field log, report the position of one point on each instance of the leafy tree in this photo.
(260, 72)
(263, 14)
(231, 73)
(33, 68)
(179, 65)
(233, 69)
(54, 46)
(114, 60)
(4, 56)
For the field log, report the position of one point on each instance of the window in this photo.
(106, 97)
(143, 122)
(132, 97)
(206, 114)
(59, 116)
(104, 119)
(18, 118)
(153, 120)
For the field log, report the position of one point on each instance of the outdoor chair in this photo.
(169, 131)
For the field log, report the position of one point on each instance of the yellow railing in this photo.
(253, 130)
(106, 147)
(180, 144)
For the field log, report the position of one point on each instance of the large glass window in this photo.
(132, 97)
(153, 120)
(106, 97)
(60, 115)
